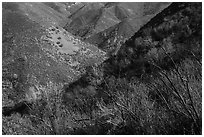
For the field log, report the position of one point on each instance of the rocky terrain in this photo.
(85, 68)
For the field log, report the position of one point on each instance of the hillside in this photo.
(104, 16)
(101, 68)
(37, 49)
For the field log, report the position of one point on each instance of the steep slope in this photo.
(111, 39)
(37, 51)
(60, 7)
(173, 34)
(90, 19)
(105, 21)
(78, 9)
(82, 25)
(122, 13)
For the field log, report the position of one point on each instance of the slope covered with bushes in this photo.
(151, 86)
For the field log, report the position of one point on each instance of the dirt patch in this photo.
(65, 45)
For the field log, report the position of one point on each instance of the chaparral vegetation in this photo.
(102, 68)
